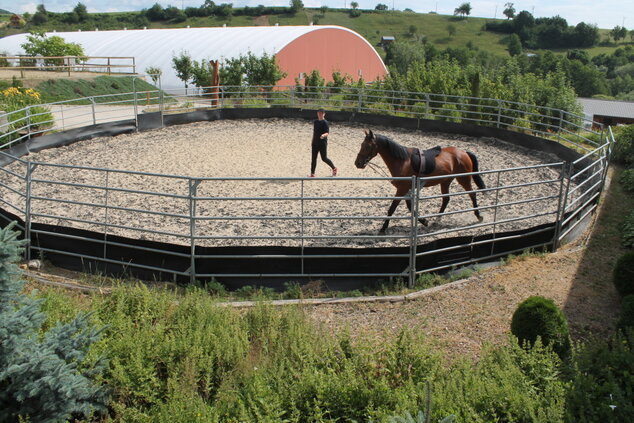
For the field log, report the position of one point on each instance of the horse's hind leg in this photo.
(444, 190)
(465, 181)
(420, 219)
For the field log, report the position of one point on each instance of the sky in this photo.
(605, 14)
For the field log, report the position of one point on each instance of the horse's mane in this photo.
(394, 148)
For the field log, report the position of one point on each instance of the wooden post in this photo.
(215, 82)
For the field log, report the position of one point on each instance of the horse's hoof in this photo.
(480, 218)
(425, 222)
(382, 232)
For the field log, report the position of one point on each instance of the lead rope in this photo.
(374, 167)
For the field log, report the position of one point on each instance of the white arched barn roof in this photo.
(298, 49)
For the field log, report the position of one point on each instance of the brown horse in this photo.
(398, 159)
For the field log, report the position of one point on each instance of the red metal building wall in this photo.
(329, 50)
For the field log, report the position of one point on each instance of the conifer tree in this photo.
(44, 377)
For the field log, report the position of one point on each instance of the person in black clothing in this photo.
(321, 130)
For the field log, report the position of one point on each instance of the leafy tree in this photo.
(155, 13)
(354, 4)
(585, 35)
(155, 73)
(174, 14)
(251, 70)
(411, 31)
(587, 80)
(509, 10)
(381, 6)
(40, 16)
(580, 55)
(618, 33)
(296, 6)
(400, 56)
(323, 10)
(463, 10)
(515, 45)
(45, 375)
(183, 66)
(451, 29)
(40, 44)
(224, 10)
(81, 12)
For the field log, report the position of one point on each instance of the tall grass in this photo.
(182, 358)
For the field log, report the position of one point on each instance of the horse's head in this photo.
(369, 149)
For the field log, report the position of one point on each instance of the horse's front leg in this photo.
(390, 212)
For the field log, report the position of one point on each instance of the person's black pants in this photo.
(320, 147)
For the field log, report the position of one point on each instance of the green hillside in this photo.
(432, 28)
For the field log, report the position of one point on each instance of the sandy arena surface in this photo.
(266, 149)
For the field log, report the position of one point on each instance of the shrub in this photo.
(627, 234)
(623, 274)
(45, 376)
(602, 383)
(627, 180)
(540, 317)
(627, 313)
(623, 151)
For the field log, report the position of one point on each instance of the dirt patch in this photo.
(461, 320)
(261, 20)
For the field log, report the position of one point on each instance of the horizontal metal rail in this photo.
(478, 243)
(112, 243)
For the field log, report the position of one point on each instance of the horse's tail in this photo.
(476, 178)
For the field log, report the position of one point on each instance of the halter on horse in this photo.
(398, 159)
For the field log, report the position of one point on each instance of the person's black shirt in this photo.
(320, 127)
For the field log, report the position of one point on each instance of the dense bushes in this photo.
(46, 374)
(623, 152)
(540, 317)
(627, 180)
(627, 313)
(627, 235)
(623, 274)
(181, 358)
(603, 381)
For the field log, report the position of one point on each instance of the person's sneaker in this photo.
(334, 172)
(312, 175)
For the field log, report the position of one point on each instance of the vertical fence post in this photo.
(27, 114)
(499, 113)
(105, 218)
(193, 187)
(292, 96)
(561, 124)
(566, 178)
(360, 104)
(30, 167)
(414, 194)
(136, 105)
(495, 212)
(160, 99)
(426, 106)
(302, 225)
(92, 105)
(559, 215)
